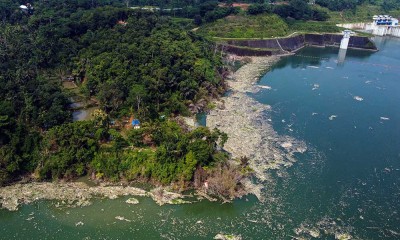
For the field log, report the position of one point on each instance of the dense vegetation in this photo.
(130, 62)
(162, 152)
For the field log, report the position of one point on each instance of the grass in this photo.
(261, 26)
(314, 27)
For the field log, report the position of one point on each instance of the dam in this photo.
(263, 47)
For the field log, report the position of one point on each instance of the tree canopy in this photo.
(129, 61)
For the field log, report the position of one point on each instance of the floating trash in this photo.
(122, 219)
(358, 98)
(332, 117)
(221, 236)
(132, 201)
(79, 223)
(265, 87)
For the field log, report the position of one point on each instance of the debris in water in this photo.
(315, 87)
(253, 221)
(265, 87)
(358, 98)
(79, 223)
(332, 117)
(132, 201)
(343, 236)
(314, 233)
(122, 219)
(312, 66)
(286, 145)
(385, 118)
(221, 236)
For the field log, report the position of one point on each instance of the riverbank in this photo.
(250, 133)
(76, 194)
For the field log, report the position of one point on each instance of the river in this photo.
(346, 184)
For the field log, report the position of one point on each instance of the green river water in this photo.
(347, 182)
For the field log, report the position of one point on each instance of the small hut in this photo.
(135, 123)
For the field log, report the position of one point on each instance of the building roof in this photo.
(135, 122)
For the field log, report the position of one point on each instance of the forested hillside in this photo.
(130, 58)
(132, 62)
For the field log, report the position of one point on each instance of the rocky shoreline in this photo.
(245, 121)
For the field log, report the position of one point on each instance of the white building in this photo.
(381, 25)
(385, 20)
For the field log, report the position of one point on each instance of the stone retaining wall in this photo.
(290, 44)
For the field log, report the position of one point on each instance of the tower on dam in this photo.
(345, 40)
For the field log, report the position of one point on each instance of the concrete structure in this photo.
(381, 25)
(275, 46)
(385, 20)
(344, 43)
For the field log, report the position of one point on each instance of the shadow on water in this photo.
(316, 56)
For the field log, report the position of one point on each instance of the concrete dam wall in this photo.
(265, 47)
(379, 30)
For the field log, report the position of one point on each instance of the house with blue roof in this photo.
(135, 123)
